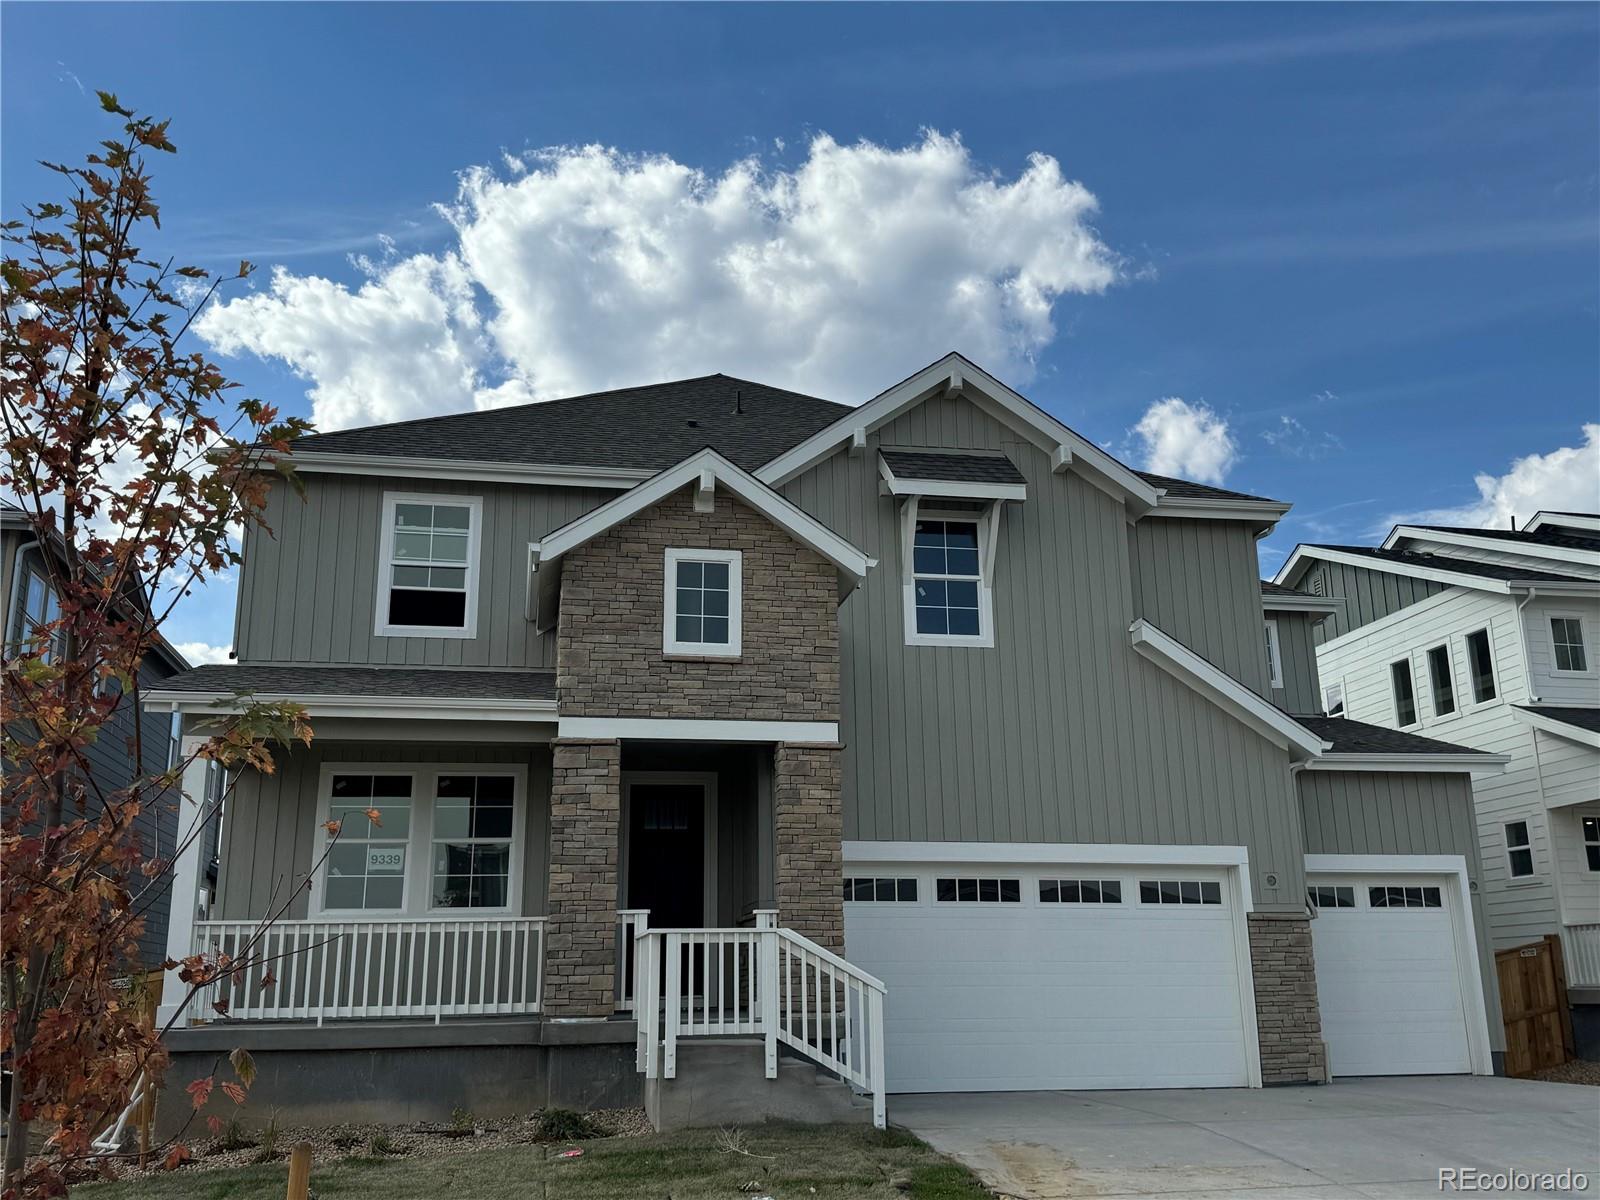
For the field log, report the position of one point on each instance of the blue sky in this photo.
(1340, 255)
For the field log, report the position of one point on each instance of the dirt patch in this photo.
(1579, 1070)
(260, 1142)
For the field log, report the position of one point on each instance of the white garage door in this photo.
(1388, 980)
(1020, 978)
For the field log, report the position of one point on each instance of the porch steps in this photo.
(722, 1081)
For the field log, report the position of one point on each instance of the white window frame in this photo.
(1470, 700)
(987, 523)
(734, 647)
(417, 887)
(1394, 698)
(1512, 873)
(386, 564)
(1331, 690)
(1274, 657)
(1587, 841)
(1583, 643)
(1433, 691)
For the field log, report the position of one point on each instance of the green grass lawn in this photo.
(827, 1162)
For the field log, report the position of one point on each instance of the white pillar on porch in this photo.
(188, 869)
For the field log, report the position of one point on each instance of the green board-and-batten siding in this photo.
(1060, 732)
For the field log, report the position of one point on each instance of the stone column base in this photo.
(580, 935)
(808, 826)
(1287, 1017)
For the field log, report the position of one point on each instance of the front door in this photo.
(667, 852)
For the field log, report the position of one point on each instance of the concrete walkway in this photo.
(1358, 1138)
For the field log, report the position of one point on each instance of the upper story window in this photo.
(1591, 842)
(1566, 634)
(1441, 676)
(38, 607)
(1519, 849)
(1274, 656)
(428, 572)
(1333, 699)
(949, 596)
(1480, 664)
(703, 603)
(1405, 698)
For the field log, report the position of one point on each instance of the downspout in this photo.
(1522, 634)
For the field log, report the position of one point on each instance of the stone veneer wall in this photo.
(609, 659)
(1287, 1017)
(808, 823)
(580, 935)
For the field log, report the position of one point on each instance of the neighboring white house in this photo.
(1489, 639)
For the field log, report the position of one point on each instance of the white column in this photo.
(188, 872)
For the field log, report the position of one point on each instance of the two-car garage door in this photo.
(1023, 977)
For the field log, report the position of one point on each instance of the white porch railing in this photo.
(413, 967)
(1581, 946)
(630, 923)
(766, 981)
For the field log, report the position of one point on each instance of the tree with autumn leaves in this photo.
(137, 466)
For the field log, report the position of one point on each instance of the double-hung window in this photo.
(1591, 842)
(428, 568)
(1519, 849)
(703, 603)
(1480, 663)
(1566, 636)
(949, 599)
(1405, 698)
(1441, 677)
(37, 609)
(1274, 656)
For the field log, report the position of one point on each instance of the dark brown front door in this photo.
(667, 853)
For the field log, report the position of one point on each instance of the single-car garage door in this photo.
(1389, 982)
(1029, 978)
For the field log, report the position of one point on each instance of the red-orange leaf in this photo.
(200, 1091)
(234, 1091)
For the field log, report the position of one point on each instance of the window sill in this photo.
(690, 656)
(422, 631)
(973, 643)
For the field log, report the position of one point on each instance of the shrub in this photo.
(564, 1125)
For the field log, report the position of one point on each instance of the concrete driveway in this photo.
(1360, 1138)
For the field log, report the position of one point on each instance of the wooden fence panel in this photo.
(1533, 999)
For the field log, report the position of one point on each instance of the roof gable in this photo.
(954, 374)
(706, 469)
(1456, 572)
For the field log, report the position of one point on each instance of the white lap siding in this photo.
(1519, 910)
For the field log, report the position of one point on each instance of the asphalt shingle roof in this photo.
(960, 468)
(1582, 718)
(1357, 737)
(1189, 490)
(644, 428)
(1537, 537)
(1444, 562)
(366, 681)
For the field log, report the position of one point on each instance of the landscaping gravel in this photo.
(1579, 1070)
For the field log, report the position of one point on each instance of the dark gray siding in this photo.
(269, 828)
(1368, 595)
(1297, 644)
(1200, 582)
(1061, 732)
(1356, 812)
(308, 591)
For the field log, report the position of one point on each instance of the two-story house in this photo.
(135, 742)
(1490, 638)
(922, 742)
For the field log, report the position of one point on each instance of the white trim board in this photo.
(668, 729)
(410, 466)
(1475, 764)
(1573, 733)
(955, 374)
(1173, 657)
(1470, 969)
(404, 707)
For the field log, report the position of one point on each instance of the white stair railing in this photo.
(767, 981)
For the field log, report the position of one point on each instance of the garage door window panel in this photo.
(1080, 891)
(1335, 896)
(1392, 897)
(881, 890)
(1179, 891)
(978, 890)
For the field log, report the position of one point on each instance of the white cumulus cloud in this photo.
(581, 268)
(1188, 440)
(199, 653)
(1567, 479)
